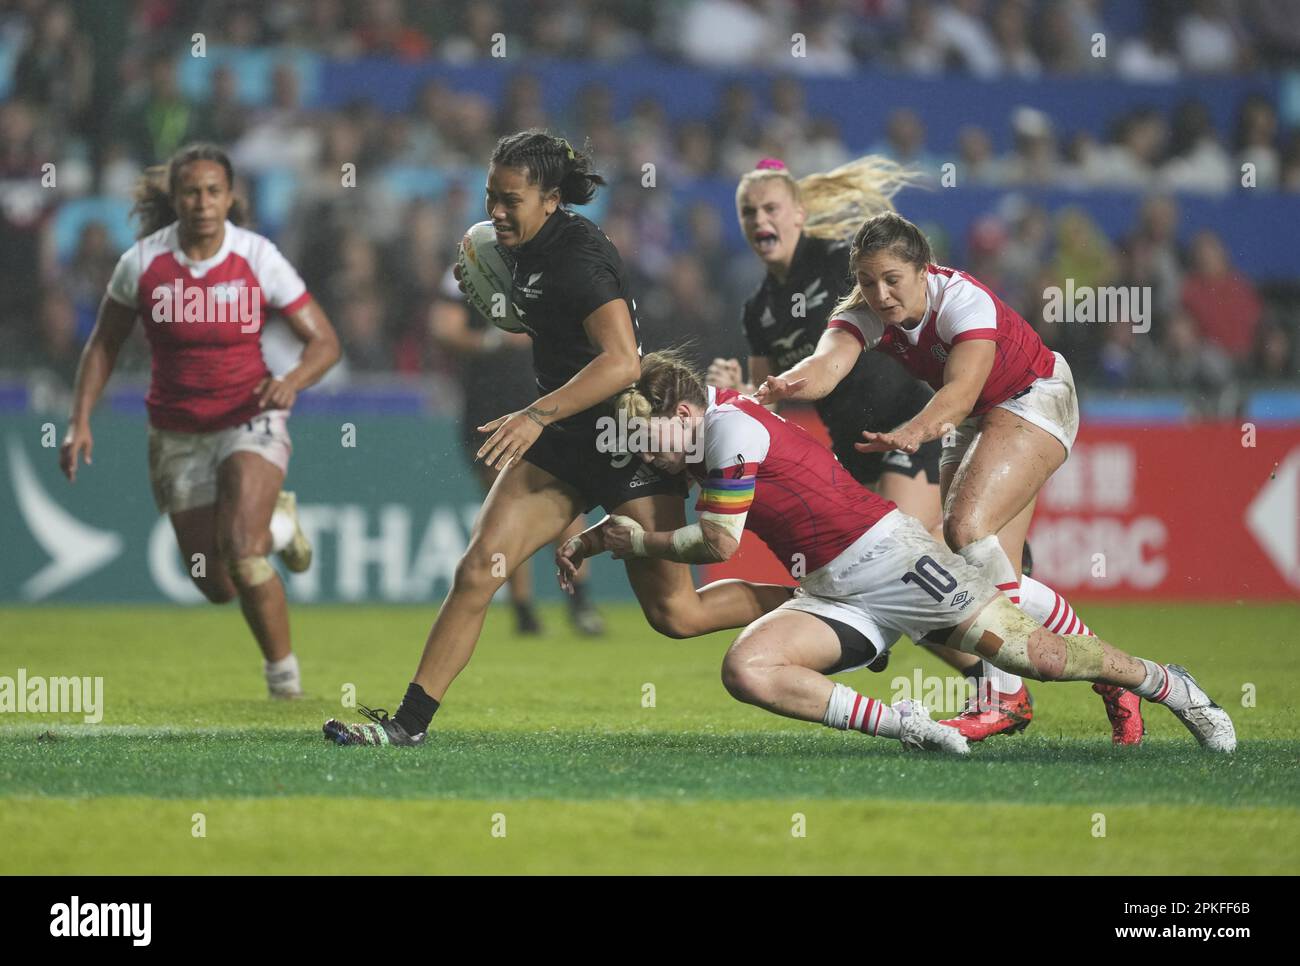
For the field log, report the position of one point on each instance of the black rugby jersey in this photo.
(561, 275)
(877, 394)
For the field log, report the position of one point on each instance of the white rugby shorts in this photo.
(183, 466)
(1050, 403)
(895, 579)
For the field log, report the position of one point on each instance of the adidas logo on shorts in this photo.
(644, 475)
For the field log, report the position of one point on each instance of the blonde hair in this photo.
(838, 200)
(888, 231)
(667, 379)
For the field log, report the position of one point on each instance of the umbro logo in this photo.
(961, 599)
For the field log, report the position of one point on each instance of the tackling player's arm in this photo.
(964, 375)
(726, 495)
(616, 367)
(98, 358)
(815, 376)
(712, 540)
(320, 351)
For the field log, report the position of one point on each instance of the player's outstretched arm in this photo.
(97, 361)
(815, 376)
(712, 540)
(964, 376)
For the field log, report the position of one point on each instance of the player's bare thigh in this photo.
(196, 535)
(1006, 465)
(785, 637)
(487, 476)
(247, 487)
(525, 509)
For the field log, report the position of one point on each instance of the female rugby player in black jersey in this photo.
(801, 231)
(495, 372)
(571, 292)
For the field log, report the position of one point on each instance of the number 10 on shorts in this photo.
(930, 576)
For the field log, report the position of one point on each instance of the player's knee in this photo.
(480, 574)
(743, 677)
(248, 572)
(961, 529)
(671, 621)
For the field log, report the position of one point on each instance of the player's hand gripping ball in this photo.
(486, 277)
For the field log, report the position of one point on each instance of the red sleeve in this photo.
(850, 328)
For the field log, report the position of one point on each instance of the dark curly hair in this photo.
(155, 188)
(552, 163)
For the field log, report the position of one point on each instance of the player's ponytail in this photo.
(886, 232)
(667, 380)
(837, 201)
(553, 164)
(155, 188)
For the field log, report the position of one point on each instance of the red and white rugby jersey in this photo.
(800, 499)
(958, 307)
(204, 323)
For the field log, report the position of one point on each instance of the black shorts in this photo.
(867, 468)
(602, 479)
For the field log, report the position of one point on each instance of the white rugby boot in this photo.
(1208, 723)
(920, 733)
(297, 554)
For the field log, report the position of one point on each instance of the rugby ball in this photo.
(486, 274)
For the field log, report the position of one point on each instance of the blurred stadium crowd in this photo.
(99, 94)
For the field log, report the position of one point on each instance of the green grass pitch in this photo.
(547, 759)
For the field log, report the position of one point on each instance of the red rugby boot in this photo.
(1010, 713)
(1124, 709)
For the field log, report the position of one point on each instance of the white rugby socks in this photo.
(848, 710)
(282, 678)
(1050, 609)
(987, 554)
(1162, 687)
